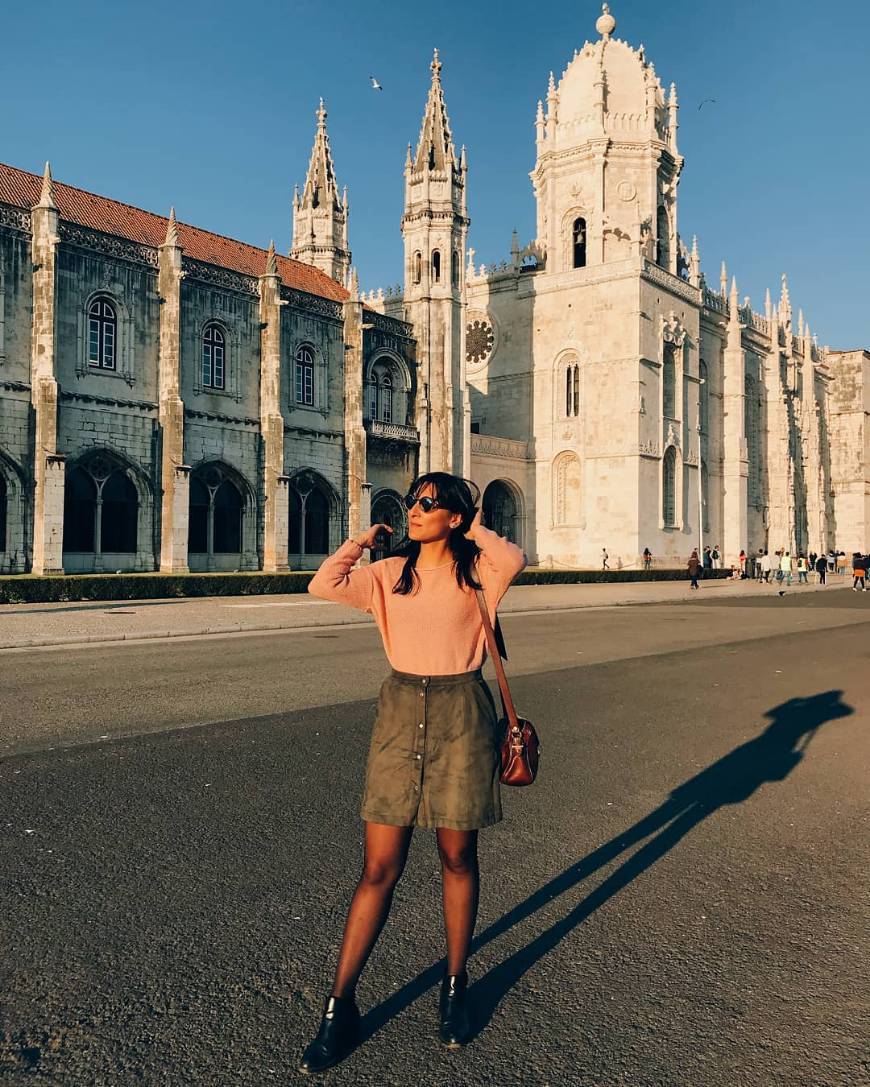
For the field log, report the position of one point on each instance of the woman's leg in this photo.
(460, 881)
(386, 850)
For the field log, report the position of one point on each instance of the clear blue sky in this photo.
(210, 106)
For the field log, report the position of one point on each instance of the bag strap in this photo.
(505, 691)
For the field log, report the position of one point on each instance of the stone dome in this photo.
(634, 99)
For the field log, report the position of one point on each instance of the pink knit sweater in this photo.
(435, 630)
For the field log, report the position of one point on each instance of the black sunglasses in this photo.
(427, 504)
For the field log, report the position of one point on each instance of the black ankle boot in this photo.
(337, 1036)
(455, 1028)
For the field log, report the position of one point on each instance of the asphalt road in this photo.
(681, 899)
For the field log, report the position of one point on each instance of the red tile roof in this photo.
(22, 189)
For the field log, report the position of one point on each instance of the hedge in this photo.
(33, 588)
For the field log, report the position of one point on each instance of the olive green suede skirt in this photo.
(434, 755)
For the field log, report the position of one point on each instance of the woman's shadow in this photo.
(731, 780)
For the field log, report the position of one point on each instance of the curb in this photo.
(240, 628)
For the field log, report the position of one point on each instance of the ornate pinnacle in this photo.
(436, 66)
(271, 261)
(321, 115)
(46, 197)
(171, 229)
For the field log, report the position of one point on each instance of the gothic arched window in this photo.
(418, 266)
(436, 266)
(669, 383)
(578, 243)
(102, 334)
(385, 399)
(309, 515)
(213, 357)
(572, 390)
(100, 507)
(4, 496)
(663, 237)
(669, 487)
(216, 513)
(227, 519)
(566, 489)
(454, 268)
(304, 376)
(704, 398)
(120, 514)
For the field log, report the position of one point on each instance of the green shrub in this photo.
(32, 588)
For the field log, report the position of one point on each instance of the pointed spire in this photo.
(354, 285)
(171, 229)
(321, 188)
(723, 280)
(768, 307)
(46, 196)
(695, 263)
(435, 150)
(271, 261)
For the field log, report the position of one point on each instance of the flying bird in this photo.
(375, 85)
(707, 100)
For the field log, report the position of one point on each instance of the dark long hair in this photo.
(459, 496)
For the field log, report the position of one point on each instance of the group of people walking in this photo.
(782, 567)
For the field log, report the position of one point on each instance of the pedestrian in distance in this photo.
(694, 567)
(858, 572)
(434, 759)
(706, 560)
(802, 569)
(715, 557)
(785, 567)
(765, 567)
(742, 563)
(604, 558)
(822, 568)
(647, 559)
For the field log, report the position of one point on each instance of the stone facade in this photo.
(171, 399)
(617, 401)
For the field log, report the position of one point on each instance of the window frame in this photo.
(104, 322)
(213, 346)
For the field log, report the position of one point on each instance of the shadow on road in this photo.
(731, 780)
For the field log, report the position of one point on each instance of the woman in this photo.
(858, 571)
(434, 757)
(693, 566)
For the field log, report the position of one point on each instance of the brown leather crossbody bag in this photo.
(520, 746)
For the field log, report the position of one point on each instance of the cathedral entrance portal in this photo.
(501, 510)
(387, 510)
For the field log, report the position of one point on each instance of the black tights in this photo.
(386, 850)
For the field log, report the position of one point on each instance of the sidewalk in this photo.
(71, 623)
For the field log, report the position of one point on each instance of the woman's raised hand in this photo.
(369, 537)
(478, 520)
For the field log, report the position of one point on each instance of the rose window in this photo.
(479, 340)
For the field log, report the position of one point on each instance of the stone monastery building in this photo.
(172, 399)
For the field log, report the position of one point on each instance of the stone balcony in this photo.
(392, 431)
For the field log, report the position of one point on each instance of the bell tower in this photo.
(607, 167)
(319, 215)
(434, 229)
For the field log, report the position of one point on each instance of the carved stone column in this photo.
(355, 485)
(174, 473)
(736, 467)
(48, 465)
(275, 483)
